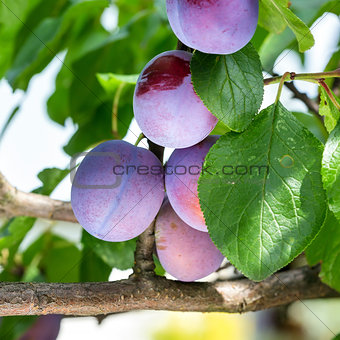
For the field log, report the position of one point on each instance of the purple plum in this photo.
(117, 191)
(181, 177)
(46, 327)
(184, 252)
(213, 26)
(166, 107)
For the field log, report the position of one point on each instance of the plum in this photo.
(182, 173)
(117, 190)
(166, 107)
(213, 26)
(184, 252)
(45, 327)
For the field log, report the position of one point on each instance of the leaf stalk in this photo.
(282, 81)
(329, 93)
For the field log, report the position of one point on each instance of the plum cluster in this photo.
(119, 205)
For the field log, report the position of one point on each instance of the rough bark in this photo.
(14, 202)
(144, 264)
(158, 293)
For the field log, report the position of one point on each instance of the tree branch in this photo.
(158, 293)
(144, 264)
(311, 104)
(14, 202)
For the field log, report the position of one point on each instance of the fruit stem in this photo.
(311, 77)
(115, 110)
(282, 81)
(329, 93)
(140, 137)
(182, 47)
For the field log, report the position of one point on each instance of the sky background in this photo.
(33, 142)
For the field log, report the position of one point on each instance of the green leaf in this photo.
(120, 88)
(328, 110)
(278, 8)
(326, 248)
(92, 267)
(12, 327)
(118, 255)
(110, 81)
(231, 86)
(261, 192)
(36, 247)
(29, 52)
(32, 256)
(50, 178)
(275, 44)
(61, 263)
(259, 37)
(270, 18)
(8, 122)
(220, 129)
(313, 124)
(92, 132)
(42, 10)
(10, 27)
(55, 259)
(58, 103)
(331, 170)
(16, 229)
(101, 123)
(333, 63)
(159, 270)
(12, 234)
(50, 36)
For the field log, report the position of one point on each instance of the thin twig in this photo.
(311, 104)
(311, 77)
